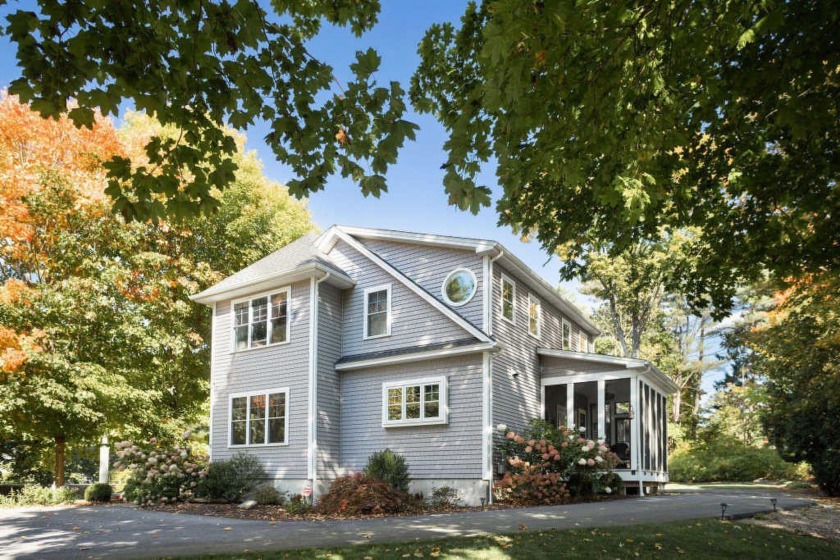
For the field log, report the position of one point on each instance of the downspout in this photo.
(488, 377)
(313, 382)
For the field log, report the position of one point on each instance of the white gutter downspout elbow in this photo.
(313, 383)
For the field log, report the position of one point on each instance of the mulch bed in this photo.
(277, 513)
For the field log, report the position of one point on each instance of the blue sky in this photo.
(416, 200)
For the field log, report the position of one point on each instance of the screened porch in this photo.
(622, 401)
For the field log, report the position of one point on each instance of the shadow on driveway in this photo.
(120, 531)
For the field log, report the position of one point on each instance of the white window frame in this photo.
(443, 402)
(368, 291)
(510, 281)
(446, 281)
(535, 301)
(249, 299)
(563, 342)
(247, 396)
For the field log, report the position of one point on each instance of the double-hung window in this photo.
(508, 299)
(567, 335)
(420, 401)
(261, 321)
(534, 316)
(259, 418)
(377, 321)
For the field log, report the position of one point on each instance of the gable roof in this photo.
(297, 260)
(482, 247)
(455, 317)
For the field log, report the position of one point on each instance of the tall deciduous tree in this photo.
(97, 330)
(797, 353)
(615, 120)
(197, 65)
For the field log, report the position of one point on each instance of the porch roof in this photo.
(647, 367)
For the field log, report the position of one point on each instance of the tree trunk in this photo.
(676, 405)
(59, 461)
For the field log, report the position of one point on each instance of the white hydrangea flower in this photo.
(502, 427)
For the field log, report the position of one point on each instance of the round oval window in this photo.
(459, 286)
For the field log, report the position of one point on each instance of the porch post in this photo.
(570, 404)
(634, 423)
(602, 421)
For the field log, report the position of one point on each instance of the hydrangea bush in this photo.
(546, 464)
(160, 474)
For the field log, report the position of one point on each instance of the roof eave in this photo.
(545, 289)
(275, 279)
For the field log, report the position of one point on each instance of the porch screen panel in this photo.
(658, 441)
(654, 430)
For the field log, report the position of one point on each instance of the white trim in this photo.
(373, 290)
(212, 380)
(550, 380)
(590, 357)
(312, 413)
(487, 295)
(478, 245)
(436, 303)
(446, 281)
(272, 280)
(443, 402)
(285, 289)
(247, 395)
(531, 300)
(570, 405)
(416, 356)
(487, 418)
(481, 247)
(489, 283)
(505, 278)
(602, 418)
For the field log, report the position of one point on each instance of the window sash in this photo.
(257, 418)
(261, 321)
(508, 299)
(534, 317)
(377, 312)
(414, 402)
(567, 335)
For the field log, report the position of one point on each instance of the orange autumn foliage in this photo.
(33, 151)
(34, 154)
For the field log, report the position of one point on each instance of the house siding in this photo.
(272, 367)
(563, 367)
(517, 399)
(414, 321)
(450, 451)
(329, 401)
(429, 267)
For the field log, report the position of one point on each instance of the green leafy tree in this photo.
(614, 121)
(97, 333)
(197, 65)
(797, 352)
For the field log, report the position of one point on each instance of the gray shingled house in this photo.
(357, 339)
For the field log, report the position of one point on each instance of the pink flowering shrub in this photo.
(546, 463)
(159, 474)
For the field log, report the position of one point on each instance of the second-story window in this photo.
(378, 311)
(261, 321)
(508, 298)
(534, 316)
(567, 335)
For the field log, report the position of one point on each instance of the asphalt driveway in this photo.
(129, 532)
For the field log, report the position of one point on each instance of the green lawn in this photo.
(696, 539)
